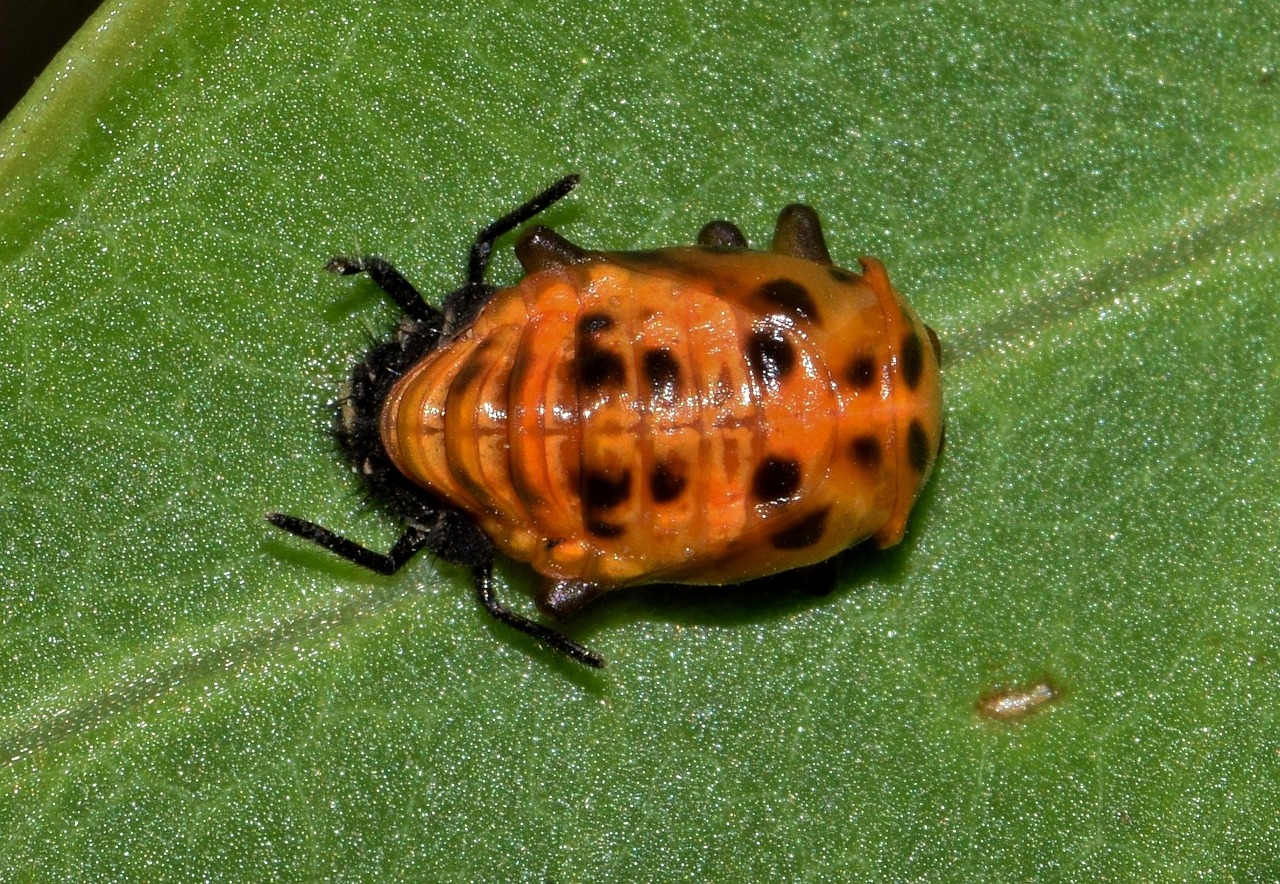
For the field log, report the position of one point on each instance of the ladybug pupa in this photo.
(694, 415)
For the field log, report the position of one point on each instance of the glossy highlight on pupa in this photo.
(703, 414)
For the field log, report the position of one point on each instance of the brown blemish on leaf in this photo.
(1016, 703)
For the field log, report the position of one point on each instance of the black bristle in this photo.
(358, 413)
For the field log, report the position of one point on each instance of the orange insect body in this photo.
(684, 415)
(704, 414)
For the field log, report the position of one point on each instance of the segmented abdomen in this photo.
(613, 426)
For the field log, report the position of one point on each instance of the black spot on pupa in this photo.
(861, 372)
(600, 369)
(600, 490)
(804, 533)
(597, 369)
(667, 481)
(601, 528)
(865, 451)
(662, 372)
(590, 323)
(770, 356)
(470, 371)
(775, 480)
(475, 364)
(912, 359)
(918, 447)
(522, 364)
(790, 297)
(841, 275)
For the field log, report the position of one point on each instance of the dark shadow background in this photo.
(31, 33)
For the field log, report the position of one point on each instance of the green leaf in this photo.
(1082, 199)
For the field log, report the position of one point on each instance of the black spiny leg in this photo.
(547, 636)
(461, 307)
(483, 245)
(413, 541)
(390, 280)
